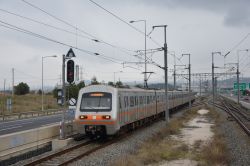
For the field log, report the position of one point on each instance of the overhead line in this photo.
(241, 41)
(119, 18)
(97, 40)
(78, 29)
(10, 26)
(45, 24)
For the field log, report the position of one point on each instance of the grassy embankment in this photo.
(27, 103)
(164, 147)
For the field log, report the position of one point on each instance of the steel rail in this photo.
(89, 152)
(225, 107)
(49, 157)
(238, 120)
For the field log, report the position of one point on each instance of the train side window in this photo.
(126, 99)
(125, 103)
(120, 103)
(136, 100)
(140, 100)
(132, 102)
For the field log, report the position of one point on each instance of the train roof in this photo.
(100, 87)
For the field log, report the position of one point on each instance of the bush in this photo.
(22, 89)
(94, 81)
(71, 91)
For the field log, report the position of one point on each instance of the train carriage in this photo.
(105, 110)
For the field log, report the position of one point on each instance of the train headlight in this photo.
(83, 117)
(106, 117)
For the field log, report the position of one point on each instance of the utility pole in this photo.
(145, 50)
(200, 86)
(13, 82)
(189, 79)
(81, 73)
(238, 82)
(62, 136)
(4, 83)
(145, 47)
(238, 73)
(213, 84)
(213, 75)
(166, 70)
(174, 72)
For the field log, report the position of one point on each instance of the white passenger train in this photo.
(105, 110)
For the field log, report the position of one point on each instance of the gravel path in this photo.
(237, 141)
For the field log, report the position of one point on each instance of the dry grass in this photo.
(164, 147)
(27, 103)
(214, 152)
(161, 146)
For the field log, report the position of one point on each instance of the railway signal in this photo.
(59, 96)
(70, 71)
(70, 78)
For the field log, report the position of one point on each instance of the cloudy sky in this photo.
(198, 27)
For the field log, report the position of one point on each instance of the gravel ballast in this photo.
(125, 147)
(129, 145)
(237, 141)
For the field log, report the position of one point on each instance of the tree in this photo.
(139, 86)
(22, 89)
(55, 92)
(81, 85)
(94, 81)
(39, 92)
(119, 84)
(111, 83)
(71, 91)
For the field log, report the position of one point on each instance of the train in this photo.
(104, 110)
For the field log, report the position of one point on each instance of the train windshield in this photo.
(96, 102)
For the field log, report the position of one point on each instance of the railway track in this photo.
(60, 157)
(241, 117)
(72, 154)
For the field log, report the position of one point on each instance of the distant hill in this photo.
(160, 86)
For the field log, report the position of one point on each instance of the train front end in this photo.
(96, 111)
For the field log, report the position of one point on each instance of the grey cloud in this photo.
(238, 16)
(236, 12)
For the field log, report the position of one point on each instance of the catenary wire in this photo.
(10, 26)
(78, 29)
(97, 40)
(122, 20)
